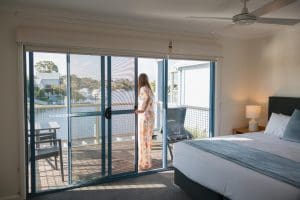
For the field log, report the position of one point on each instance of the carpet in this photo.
(149, 187)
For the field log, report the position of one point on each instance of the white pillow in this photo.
(277, 124)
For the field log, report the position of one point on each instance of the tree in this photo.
(46, 66)
(76, 96)
(122, 84)
(153, 86)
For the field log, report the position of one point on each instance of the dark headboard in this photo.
(283, 105)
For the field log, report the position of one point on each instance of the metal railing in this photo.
(197, 121)
(82, 127)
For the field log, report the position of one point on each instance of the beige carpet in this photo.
(150, 187)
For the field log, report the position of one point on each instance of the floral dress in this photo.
(145, 128)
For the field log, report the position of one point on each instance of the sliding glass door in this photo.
(190, 100)
(85, 122)
(81, 120)
(122, 127)
(47, 121)
(191, 87)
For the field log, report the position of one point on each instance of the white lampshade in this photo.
(253, 111)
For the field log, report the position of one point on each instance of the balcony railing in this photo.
(197, 121)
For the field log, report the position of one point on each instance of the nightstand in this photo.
(246, 130)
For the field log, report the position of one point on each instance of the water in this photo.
(196, 121)
(84, 127)
(124, 124)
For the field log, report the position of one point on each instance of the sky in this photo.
(89, 65)
(148, 66)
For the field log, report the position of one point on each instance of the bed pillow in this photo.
(292, 131)
(277, 124)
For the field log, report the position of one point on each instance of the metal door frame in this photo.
(70, 115)
(106, 177)
(87, 114)
(120, 112)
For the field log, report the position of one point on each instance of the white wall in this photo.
(231, 73)
(233, 85)
(275, 67)
(9, 129)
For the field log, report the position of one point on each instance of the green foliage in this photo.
(77, 84)
(122, 84)
(39, 93)
(153, 86)
(76, 96)
(89, 83)
(46, 66)
(43, 94)
(80, 83)
(59, 91)
(196, 133)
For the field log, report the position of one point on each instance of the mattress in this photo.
(232, 180)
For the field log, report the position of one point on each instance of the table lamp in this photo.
(252, 113)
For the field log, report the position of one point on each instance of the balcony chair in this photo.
(175, 127)
(53, 149)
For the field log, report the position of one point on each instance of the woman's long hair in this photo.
(143, 81)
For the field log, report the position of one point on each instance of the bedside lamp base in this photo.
(253, 125)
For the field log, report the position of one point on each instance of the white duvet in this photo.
(232, 180)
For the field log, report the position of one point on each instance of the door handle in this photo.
(107, 113)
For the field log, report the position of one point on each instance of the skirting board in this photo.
(11, 197)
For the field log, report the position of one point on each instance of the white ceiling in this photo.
(167, 15)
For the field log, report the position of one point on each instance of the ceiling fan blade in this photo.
(210, 18)
(272, 6)
(278, 21)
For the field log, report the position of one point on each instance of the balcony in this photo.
(87, 164)
(86, 152)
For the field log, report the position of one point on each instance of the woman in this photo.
(145, 122)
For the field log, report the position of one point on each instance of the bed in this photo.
(204, 175)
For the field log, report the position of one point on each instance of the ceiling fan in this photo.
(246, 17)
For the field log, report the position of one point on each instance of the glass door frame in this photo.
(120, 112)
(106, 177)
(100, 114)
(70, 115)
(106, 171)
(212, 100)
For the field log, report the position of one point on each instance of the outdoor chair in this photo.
(49, 148)
(175, 126)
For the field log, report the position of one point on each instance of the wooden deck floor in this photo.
(86, 163)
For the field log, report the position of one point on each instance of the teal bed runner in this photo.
(266, 163)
